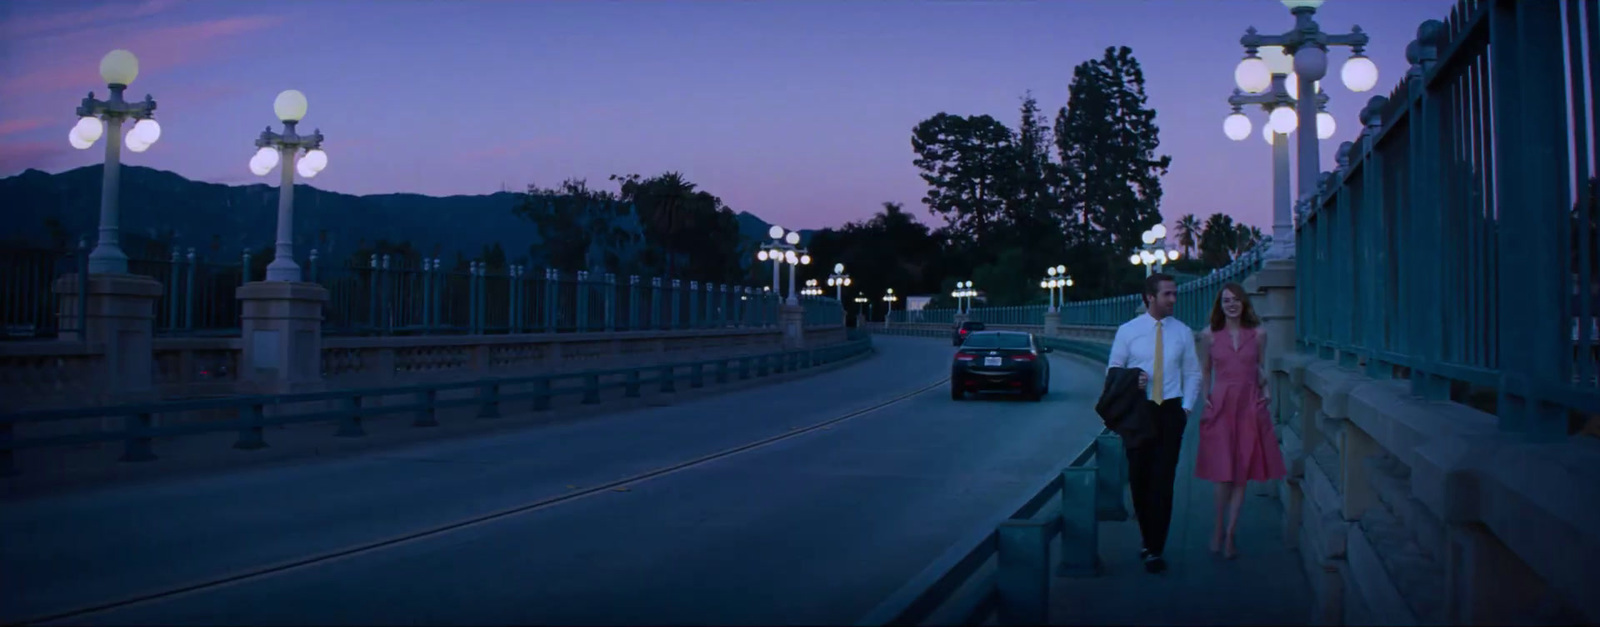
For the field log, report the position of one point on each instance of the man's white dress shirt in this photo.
(1135, 347)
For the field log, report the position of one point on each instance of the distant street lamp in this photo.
(105, 117)
(839, 280)
(1153, 255)
(963, 295)
(811, 288)
(1055, 282)
(784, 248)
(862, 301)
(284, 149)
(1308, 45)
(889, 299)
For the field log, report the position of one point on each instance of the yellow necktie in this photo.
(1156, 393)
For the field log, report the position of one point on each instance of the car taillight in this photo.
(963, 331)
(1022, 357)
(965, 356)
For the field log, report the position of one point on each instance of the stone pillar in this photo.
(960, 318)
(1273, 297)
(861, 320)
(792, 321)
(119, 315)
(1052, 323)
(282, 333)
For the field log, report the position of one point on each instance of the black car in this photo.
(1000, 360)
(965, 328)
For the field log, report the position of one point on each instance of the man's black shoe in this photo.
(1154, 563)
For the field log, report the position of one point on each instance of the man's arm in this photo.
(1119, 350)
(1191, 374)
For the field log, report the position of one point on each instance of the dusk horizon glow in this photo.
(798, 112)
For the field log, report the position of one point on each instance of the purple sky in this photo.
(800, 112)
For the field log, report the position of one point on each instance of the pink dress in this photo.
(1236, 438)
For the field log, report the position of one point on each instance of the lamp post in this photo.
(811, 288)
(1282, 95)
(105, 117)
(963, 295)
(1055, 282)
(862, 301)
(839, 280)
(1307, 45)
(1153, 256)
(784, 248)
(889, 299)
(284, 149)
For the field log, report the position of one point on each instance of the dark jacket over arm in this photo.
(1123, 408)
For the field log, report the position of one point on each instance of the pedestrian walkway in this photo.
(1264, 585)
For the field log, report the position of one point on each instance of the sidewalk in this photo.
(1264, 585)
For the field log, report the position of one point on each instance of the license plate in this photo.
(991, 361)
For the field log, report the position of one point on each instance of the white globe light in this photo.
(258, 168)
(147, 130)
(268, 157)
(290, 105)
(77, 140)
(1267, 134)
(89, 128)
(830, 282)
(1159, 230)
(1277, 61)
(762, 256)
(304, 169)
(805, 260)
(776, 232)
(1236, 126)
(1134, 259)
(1296, 4)
(1311, 62)
(1359, 74)
(1283, 119)
(1149, 237)
(119, 67)
(316, 158)
(793, 238)
(1044, 284)
(1172, 255)
(1061, 269)
(847, 281)
(1069, 282)
(1147, 256)
(838, 268)
(790, 257)
(1252, 75)
(1326, 126)
(1051, 272)
(135, 143)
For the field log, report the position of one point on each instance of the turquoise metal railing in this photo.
(1195, 298)
(1455, 244)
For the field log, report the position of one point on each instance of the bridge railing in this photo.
(349, 410)
(1195, 298)
(1457, 244)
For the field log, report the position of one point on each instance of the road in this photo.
(814, 528)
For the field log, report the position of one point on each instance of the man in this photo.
(1162, 348)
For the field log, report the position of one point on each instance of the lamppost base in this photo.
(1052, 322)
(108, 258)
(1280, 249)
(284, 269)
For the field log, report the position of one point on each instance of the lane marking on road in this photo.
(619, 485)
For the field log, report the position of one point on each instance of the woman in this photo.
(1237, 444)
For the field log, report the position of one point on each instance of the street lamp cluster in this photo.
(97, 118)
(838, 280)
(1153, 255)
(784, 248)
(963, 295)
(1055, 283)
(811, 288)
(889, 300)
(1277, 69)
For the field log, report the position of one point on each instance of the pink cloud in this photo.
(158, 49)
(19, 156)
(14, 29)
(8, 127)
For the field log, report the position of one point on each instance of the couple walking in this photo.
(1158, 372)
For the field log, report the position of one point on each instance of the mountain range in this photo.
(159, 209)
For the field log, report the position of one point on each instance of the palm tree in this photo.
(1247, 238)
(1188, 234)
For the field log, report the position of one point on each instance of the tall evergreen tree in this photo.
(969, 165)
(1107, 139)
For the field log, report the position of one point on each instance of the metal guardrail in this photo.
(251, 413)
(959, 588)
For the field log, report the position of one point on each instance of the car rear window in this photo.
(997, 340)
(972, 326)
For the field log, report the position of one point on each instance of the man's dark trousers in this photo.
(1152, 468)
